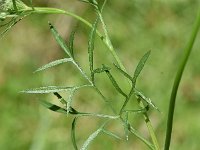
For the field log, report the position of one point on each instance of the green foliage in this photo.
(17, 10)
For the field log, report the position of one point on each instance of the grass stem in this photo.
(177, 80)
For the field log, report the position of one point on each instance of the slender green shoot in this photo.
(177, 80)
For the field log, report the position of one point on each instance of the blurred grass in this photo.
(135, 27)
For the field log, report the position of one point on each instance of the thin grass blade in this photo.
(54, 63)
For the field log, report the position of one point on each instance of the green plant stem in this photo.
(177, 80)
(111, 48)
(107, 42)
(149, 126)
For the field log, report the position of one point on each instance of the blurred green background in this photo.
(135, 26)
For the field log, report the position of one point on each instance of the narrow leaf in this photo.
(91, 47)
(111, 134)
(91, 138)
(53, 107)
(54, 63)
(140, 95)
(135, 132)
(71, 42)
(56, 108)
(62, 100)
(126, 126)
(114, 83)
(143, 110)
(140, 66)
(60, 40)
(123, 72)
(73, 133)
(48, 89)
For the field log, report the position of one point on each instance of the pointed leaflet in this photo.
(111, 134)
(92, 137)
(136, 133)
(114, 82)
(54, 63)
(58, 109)
(91, 47)
(123, 72)
(140, 67)
(48, 89)
(73, 133)
(71, 42)
(60, 40)
(140, 95)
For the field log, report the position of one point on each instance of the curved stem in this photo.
(177, 80)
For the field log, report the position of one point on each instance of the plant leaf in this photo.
(48, 89)
(140, 66)
(135, 132)
(114, 82)
(73, 133)
(60, 40)
(123, 72)
(54, 63)
(71, 42)
(62, 100)
(92, 137)
(53, 107)
(126, 126)
(91, 47)
(56, 108)
(111, 134)
(140, 95)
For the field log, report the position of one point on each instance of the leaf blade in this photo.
(140, 66)
(60, 40)
(91, 48)
(53, 64)
(47, 89)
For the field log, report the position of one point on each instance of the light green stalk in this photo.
(177, 80)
